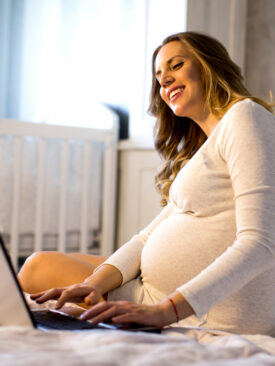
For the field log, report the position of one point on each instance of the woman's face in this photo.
(178, 74)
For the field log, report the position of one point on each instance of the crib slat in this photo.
(17, 147)
(84, 198)
(109, 197)
(39, 195)
(63, 196)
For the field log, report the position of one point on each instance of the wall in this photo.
(260, 47)
(224, 20)
(247, 29)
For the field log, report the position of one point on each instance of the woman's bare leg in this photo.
(44, 270)
(95, 260)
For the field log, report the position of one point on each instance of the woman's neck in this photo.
(207, 122)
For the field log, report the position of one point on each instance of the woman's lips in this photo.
(175, 93)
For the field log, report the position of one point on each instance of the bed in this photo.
(174, 346)
(58, 186)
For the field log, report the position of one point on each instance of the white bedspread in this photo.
(175, 346)
(22, 346)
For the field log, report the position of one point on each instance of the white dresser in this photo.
(138, 201)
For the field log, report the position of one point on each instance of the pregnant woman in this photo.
(208, 259)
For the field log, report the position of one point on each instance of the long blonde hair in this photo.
(178, 138)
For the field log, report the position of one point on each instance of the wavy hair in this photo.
(178, 138)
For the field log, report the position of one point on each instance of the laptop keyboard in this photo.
(54, 320)
(50, 319)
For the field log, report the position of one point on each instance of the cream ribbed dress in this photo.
(215, 240)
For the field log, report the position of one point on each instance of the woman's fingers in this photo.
(73, 294)
(36, 295)
(102, 311)
(92, 298)
(107, 315)
(96, 310)
(43, 296)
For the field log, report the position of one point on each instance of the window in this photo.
(65, 56)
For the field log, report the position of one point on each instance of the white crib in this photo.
(57, 183)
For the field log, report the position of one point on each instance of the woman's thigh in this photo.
(44, 270)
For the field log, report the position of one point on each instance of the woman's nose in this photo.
(166, 80)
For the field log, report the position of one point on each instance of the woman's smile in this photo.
(175, 92)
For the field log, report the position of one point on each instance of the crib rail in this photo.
(21, 129)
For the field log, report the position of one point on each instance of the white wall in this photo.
(222, 19)
(260, 48)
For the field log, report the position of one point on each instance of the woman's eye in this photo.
(177, 66)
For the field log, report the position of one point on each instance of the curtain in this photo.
(11, 25)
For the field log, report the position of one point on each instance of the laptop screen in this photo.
(13, 307)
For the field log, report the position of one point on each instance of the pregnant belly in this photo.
(182, 246)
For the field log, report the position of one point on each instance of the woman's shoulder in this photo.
(247, 106)
(247, 126)
(246, 113)
(246, 119)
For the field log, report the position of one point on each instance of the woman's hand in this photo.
(164, 313)
(157, 315)
(81, 293)
(105, 279)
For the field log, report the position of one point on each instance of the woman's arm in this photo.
(247, 147)
(106, 278)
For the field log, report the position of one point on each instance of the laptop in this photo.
(16, 311)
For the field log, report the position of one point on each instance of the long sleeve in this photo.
(128, 257)
(246, 144)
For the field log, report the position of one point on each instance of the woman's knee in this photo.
(35, 268)
(38, 260)
(43, 270)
